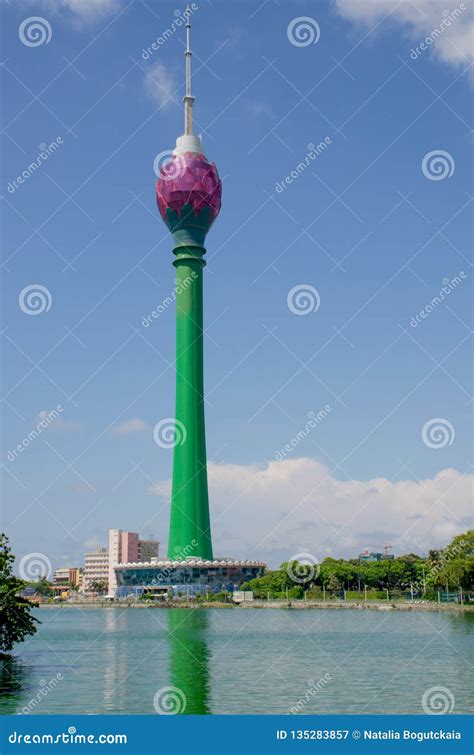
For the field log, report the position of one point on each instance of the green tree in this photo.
(454, 565)
(333, 584)
(42, 587)
(99, 586)
(16, 622)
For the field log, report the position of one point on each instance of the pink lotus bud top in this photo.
(188, 178)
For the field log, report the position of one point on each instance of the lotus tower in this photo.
(188, 192)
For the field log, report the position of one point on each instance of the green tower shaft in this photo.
(190, 533)
(189, 199)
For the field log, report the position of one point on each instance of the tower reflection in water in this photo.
(189, 658)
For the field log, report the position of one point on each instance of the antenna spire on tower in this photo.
(188, 99)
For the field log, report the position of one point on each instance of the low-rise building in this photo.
(67, 576)
(191, 577)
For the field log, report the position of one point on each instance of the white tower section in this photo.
(189, 142)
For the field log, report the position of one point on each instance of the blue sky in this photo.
(363, 224)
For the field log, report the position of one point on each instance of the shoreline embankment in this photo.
(271, 604)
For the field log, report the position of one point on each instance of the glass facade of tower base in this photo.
(185, 578)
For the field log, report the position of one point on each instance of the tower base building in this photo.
(188, 578)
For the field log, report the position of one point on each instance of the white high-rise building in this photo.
(96, 569)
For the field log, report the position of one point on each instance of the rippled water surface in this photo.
(115, 660)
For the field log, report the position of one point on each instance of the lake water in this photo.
(119, 660)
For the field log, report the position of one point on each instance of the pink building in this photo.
(127, 548)
(123, 547)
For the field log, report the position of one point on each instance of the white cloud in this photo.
(159, 84)
(79, 11)
(296, 506)
(132, 425)
(421, 18)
